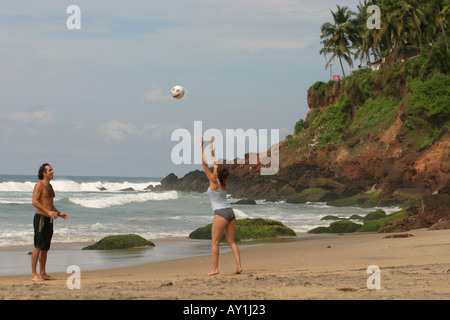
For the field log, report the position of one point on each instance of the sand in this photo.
(416, 267)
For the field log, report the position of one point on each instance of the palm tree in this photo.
(444, 16)
(339, 36)
(364, 41)
(407, 19)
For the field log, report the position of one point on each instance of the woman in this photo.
(224, 218)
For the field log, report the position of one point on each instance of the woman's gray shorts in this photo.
(227, 214)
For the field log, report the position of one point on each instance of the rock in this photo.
(433, 213)
(356, 217)
(127, 189)
(330, 217)
(399, 235)
(245, 201)
(374, 215)
(366, 200)
(124, 241)
(434, 208)
(327, 184)
(309, 195)
(441, 225)
(249, 229)
(344, 226)
(170, 180)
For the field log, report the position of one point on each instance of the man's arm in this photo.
(63, 215)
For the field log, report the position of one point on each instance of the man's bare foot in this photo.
(35, 277)
(213, 273)
(47, 277)
(238, 270)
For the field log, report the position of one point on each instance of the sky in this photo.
(95, 101)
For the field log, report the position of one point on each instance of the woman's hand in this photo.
(210, 144)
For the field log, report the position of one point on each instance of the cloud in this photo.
(155, 94)
(44, 116)
(117, 131)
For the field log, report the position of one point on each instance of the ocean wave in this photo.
(120, 199)
(73, 186)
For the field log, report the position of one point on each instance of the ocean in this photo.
(103, 206)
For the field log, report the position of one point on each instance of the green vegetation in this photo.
(373, 222)
(374, 215)
(310, 194)
(344, 226)
(368, 102)
(377, 225)
(124, 241)
(402, 22)
(431, 98)
(375, 114)
(247, 229)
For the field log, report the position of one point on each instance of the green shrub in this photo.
(298, 126)
(432, 98)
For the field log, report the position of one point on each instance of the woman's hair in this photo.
(41, 171)
(223, 174)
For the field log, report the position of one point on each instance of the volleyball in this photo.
(177, 92)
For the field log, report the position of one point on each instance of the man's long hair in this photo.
(41, 171)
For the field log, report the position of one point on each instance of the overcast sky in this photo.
(95, 101)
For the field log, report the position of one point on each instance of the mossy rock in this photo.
(330, 217)
(356, 217)
(375, 215)
(367, 200)
(246, 201)
(308, 195)
(344, 226)
(249, 229)
(123, 241)
(382, 224)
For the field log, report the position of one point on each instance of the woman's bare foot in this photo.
(36, 277)
(47, 277)
(213, 273)
(238, 270)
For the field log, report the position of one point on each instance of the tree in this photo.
(406, 19)
(339, 36)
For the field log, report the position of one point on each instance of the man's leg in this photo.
(35, 256)
(42, 264)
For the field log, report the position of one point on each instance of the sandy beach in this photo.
(415, 267)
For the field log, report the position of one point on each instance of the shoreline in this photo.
(15, 260)
(416, 267)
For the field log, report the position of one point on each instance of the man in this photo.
(43, 195)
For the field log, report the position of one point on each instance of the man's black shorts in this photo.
(43, 231)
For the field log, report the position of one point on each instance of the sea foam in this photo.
(120, 199)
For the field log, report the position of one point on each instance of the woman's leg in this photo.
(217, 229)
(229, 235)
